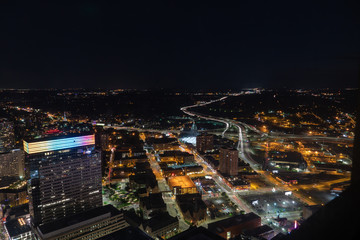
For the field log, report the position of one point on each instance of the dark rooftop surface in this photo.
(160, 140)
(14, 227)
(153, 201)
(287, 156)
(190, 202)
(6, 181)
(174, 153)
(258, 231)
(118, 156)
(128, 233)
(238, 219)
(160, 221)
(194, 233)
(147, 178)
(18, 211)
(132, 218)
(13, 190)
(84, 216)
(228, 148)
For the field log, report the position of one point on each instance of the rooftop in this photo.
(233, 221)
(128, 233)
(160, 221)
(153, 201)
(174, 153)
(78, 218)
(181, 181)
(258, 231)
(17, 226)
(58, 143)
(7, 181)
(160, 140)
(199, 233)
(17, 211)
(49, 138)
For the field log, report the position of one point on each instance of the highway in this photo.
(243, 148)
(208, 170)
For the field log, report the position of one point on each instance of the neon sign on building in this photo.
(58, 144)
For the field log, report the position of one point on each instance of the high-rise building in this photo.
(229, 159)
(204, 142)
(12, 163)
(64, 175)
(96, 223)
(7, 139)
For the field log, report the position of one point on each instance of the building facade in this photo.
(12, 163)
(229, 160)
(64, 177)
(182, 185)
(7, 139)
(92, 224)
(161, 226)
(204, 142)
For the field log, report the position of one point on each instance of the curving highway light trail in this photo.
(232, 195)
(244, 153)
(241, 126)
(185, 110)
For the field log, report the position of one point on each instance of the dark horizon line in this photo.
(177, 89)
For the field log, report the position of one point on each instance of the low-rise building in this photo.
(236, 225)
(310, 210)
(162, 225)
(177, 156)
(17, 223)
(14, 197)
(192, 207)
(129, 161)
(286, 160)
(182, 185)
(19, 229)
(154, 203)
(196, 233)
(163, 144)
(145, 179)
(262, 232)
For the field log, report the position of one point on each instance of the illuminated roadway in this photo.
(243, 148)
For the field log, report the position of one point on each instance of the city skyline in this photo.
(255, 163)
(165, 121)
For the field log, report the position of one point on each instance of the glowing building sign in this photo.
(58, 144)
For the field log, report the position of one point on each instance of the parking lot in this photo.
(274, 204)
(220, 207)
(207, 187)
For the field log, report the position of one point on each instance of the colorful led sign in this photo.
(58, 144)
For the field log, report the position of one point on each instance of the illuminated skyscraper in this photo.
(64, 175)
(229, 160)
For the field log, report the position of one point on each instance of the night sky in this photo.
(295, 44)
